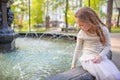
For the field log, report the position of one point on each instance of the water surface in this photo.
(36, 59)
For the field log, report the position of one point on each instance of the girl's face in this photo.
(84, 26)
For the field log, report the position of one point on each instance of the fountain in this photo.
(7, 35)
(35, 58)
(30, 61)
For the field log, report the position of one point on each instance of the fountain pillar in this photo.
(7, 35)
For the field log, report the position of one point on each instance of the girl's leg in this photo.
(106, 70)
(89, 67)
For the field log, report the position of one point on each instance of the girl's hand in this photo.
(97, 59)
(73, 67)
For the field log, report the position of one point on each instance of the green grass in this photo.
(115, 29)
(43, 29)
(32, 30)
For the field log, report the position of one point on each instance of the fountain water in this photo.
(53, 35)
(36, 59)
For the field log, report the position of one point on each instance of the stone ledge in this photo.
(75, 74)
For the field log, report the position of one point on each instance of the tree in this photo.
(109, 13)
(69, 14)
(20, 9)
(66, 13)
(37, 11)
(118, 17)
(70, 17)
(117, 3)
(97, 5)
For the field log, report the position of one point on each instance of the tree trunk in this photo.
(118, 17)
(66, 20)
(47, 22)
(109, 13)
(89, 3)
(80, 5)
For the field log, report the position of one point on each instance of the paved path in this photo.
(115, 47)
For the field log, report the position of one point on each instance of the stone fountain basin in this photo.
(36, 59)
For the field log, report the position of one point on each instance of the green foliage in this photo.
(58, 3)
(37, 11)
(115, 29)
(19, 6)
(71, 17)
(96, 5)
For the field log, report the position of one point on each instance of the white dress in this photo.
(87, 47)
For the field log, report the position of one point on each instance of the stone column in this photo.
(7, 35)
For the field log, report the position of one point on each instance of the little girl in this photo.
(93, 43)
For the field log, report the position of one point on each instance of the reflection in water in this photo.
(36, 59)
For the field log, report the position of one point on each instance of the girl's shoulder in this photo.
(105, 29)
(85, 35)
(80, 34)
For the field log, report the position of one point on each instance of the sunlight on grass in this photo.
(115, 29)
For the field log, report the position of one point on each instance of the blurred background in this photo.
(45, 15)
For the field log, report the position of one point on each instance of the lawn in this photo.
(115, 29)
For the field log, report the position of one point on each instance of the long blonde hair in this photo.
(88, 15)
